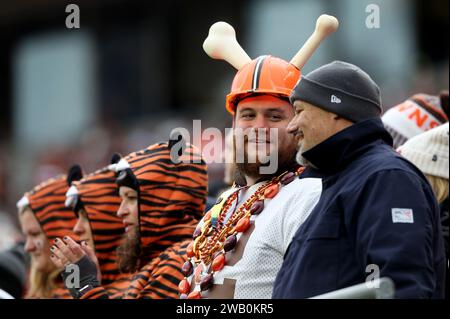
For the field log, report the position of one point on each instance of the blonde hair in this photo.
(440, 187)
(41, 284)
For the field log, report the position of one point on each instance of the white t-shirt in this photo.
(274, 229)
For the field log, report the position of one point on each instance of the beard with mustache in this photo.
(286, 161)
(129, 252)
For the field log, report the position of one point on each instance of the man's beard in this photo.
(301, 160)
(286, 161)
(129, 252)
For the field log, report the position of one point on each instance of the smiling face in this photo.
(36, 244)
(312, 125)
(83, 229)
(128, 210)
(259, 117)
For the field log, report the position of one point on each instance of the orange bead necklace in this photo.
(206, 252)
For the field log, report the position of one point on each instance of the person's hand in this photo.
(67, 251)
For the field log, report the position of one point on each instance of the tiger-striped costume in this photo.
(47, 203)
(171, 202)
(99, 196)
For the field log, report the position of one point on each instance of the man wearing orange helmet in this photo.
(238, 246)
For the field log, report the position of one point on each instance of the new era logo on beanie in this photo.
(335, 99)
(341, 88)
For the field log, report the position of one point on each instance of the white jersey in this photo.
(265, 244)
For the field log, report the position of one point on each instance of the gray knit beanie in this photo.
(340, 88)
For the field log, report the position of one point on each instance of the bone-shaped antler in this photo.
(325, 25)
(221, 43)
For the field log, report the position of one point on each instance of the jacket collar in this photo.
(339, 150)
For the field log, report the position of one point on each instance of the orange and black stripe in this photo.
(160, 278)
(99, 196)
(47, 203)
(171, 202)
(171, 195)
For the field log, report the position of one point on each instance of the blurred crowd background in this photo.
(135, 70)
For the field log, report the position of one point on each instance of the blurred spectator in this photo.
(9, 234)
(13, 271)
(417, 114)
(429, 152)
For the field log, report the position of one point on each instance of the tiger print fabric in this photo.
(157, 280)
(165, 274)
(171, 202)
(99, 195)
(171, 196)
(47, 203)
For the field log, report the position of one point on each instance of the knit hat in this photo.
(340, 88)
(416, 115)
(429, 151)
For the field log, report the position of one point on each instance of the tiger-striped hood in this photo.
(47, 203)
(99, 196)
(171, 195)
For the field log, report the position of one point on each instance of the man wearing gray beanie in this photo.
(377, 215)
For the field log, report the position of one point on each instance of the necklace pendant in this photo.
(190, 250)
(207, 282)
(271, 191)
(243, 224)
(230, 243)
(257, 207)
(288, 178)
(197, 232)
(198, 273)
(184, 287)
(187, 268)
(218, 262)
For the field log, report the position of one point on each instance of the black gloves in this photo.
(80, 277)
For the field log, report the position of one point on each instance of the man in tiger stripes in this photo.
(95, 201)
(162, 201)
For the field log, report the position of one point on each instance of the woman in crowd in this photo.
(429, 152)
(44, 218)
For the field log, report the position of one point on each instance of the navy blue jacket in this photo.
(352, 227)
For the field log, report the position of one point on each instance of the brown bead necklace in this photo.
(216, 236)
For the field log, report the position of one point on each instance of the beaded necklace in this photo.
(206, 253)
